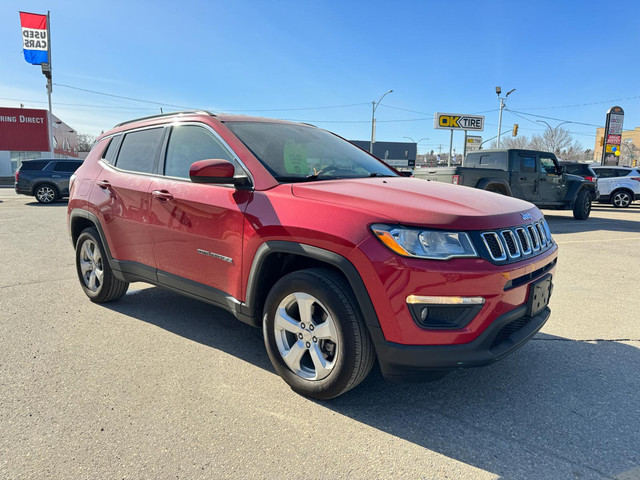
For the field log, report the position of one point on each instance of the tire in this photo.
(312, 320)
(95, 274)
(621, 198)
(582, 207)
(46, 193)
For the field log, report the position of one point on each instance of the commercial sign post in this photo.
(471, 143)
(36, 46)
(458, 121)
(612, 136)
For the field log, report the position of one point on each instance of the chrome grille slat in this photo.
(535, 239)
(515, 243)
(512, 244)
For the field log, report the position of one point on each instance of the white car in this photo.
(618, 185)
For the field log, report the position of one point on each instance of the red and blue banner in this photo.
(35, 38)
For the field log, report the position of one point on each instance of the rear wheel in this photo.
(582, 207)
(46, 193)
(95, 274)
(314, 334)
(621, 198)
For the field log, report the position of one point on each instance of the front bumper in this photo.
(506, 334)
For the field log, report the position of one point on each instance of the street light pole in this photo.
(373, 120)
(502, 105)
(553, 132)
(423, 138)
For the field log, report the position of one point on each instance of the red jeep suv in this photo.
(335, 255)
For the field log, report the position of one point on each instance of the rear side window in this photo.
(112, 149)
(66, 166)
(489, 160)
(527, 163)
(188, 144)
(34, 165)
(619, 172)
(139, 149)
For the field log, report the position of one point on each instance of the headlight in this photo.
(420, 243)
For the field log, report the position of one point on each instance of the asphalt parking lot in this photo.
(161, 386)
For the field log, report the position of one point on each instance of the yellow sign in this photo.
(458, 121)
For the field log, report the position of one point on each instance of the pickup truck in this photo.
(531, 175)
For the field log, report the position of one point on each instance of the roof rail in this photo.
(160, 115)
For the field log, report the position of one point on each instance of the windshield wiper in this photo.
(376, 174)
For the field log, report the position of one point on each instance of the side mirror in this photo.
(562, 169)
(215, 171)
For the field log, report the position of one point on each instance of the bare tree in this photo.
(85, 142)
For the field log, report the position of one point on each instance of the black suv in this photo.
(583, 170)
(47, 179)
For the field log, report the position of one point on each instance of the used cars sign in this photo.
(459, 121)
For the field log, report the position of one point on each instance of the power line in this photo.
(552, 118)
(581, 104)
(194, 108)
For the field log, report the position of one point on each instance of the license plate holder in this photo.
(539, 295)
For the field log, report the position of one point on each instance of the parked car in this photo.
(583, 170)
(47, 179)
(619, 186)
(340, 260)
(531, 175)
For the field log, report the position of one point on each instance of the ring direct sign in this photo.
(458, 121)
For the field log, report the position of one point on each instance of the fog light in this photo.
(444, 312)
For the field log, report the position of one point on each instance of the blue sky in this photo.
(569, 60)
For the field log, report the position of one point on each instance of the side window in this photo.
(527, 164)
(188, 144)
(619, 172)
(68, 167)
(34, 165)
(139, 149)
(605, 172)
(110, 152)
(547, 165)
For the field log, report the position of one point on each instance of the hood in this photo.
(412, 201)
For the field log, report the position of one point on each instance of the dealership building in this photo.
(24, 135)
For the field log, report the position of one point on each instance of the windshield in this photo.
(299, 153)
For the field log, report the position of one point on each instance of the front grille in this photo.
(518, 242)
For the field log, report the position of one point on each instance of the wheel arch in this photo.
(40, 183)
(490, 183)
(275, 259)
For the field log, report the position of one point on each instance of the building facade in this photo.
(24, 135)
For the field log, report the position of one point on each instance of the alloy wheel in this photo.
(45, 194)
(91, 265)
(306, 336)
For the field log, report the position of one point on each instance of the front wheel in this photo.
(95, 274)
(582, 207)
(621, 199)
(314, 334)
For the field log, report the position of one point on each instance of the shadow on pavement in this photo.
(557, 408)
(56, 203)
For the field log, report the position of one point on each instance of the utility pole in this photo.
(373, 121)
(502, 105)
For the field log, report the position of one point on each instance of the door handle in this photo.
(524, 178)
(543, 179)
(104, 184)
(162, 195)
